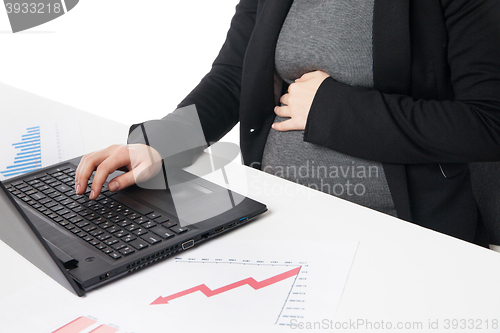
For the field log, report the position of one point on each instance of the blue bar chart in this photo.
(28, 153)
(26, 147)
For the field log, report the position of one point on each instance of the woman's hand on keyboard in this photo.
(140, 162)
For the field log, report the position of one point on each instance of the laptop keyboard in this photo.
(113, 227)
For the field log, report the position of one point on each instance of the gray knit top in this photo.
(334, 36)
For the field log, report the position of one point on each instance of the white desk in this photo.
(117, 56)
(401, 272)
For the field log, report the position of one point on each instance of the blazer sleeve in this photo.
(399, 129)
(215, 99)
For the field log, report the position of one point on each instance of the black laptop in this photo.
(84, 243)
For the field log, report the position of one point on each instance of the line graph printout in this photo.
(256, 285)
(245, 285)
(27, 148)
(269, 291)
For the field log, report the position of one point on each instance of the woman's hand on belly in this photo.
(297, 102)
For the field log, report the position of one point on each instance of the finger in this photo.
(283, 111)
(122, 181)
(145, 162)
(118, 159)
(287, 125)
(87, 165)
(142, 172)
(284, 99)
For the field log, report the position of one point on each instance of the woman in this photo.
(409, 86)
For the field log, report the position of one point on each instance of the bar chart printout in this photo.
(28, 154)
(28, 147)
(86, 324)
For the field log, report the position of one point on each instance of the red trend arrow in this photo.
(250, 281)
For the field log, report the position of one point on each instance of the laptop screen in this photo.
(17, 232)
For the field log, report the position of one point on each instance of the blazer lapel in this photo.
(392, 74)
(259, 68)
(270, 19)
(257, 87)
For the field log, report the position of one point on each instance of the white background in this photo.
(125, 60)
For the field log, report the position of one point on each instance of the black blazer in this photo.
(435, 105)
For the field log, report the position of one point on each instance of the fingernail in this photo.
(91, 196)
(114, 186)
(77, 188)
(273, 126)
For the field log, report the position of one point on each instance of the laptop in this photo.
(83, 243)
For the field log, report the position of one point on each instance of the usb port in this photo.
(243, 219)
